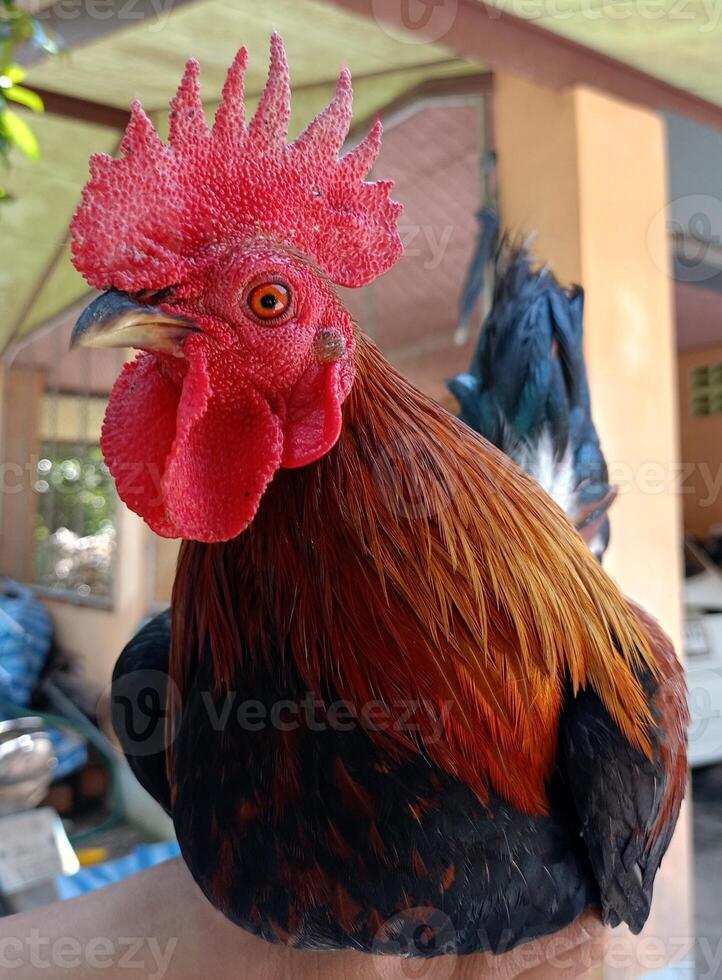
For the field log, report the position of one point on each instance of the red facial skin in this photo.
(193, 441)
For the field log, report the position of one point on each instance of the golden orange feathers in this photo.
(416, 563)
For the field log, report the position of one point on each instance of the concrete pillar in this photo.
(22, 392)
(588, 174)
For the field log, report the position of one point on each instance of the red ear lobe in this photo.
(313, 417)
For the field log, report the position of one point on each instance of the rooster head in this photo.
(218, 254)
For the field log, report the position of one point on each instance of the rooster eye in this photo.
(269, 300)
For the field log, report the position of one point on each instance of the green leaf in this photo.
(24, 96)
(20, 134)
(15, 73)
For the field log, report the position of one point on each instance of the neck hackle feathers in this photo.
(417, 565)
(152, 217)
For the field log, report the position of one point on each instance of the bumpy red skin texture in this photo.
(193, 442)
(146, 219)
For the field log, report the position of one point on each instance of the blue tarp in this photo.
(100, 875)
(26, 636)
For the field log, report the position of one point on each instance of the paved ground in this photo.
(707, 820)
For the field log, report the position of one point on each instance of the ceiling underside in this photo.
(677, 41)
(144, 60)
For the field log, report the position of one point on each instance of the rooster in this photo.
(408, 711)
(527, 391)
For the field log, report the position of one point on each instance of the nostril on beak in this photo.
(328, 346)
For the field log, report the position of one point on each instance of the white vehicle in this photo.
(703, 653)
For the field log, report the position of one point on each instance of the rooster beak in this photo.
(114, 319)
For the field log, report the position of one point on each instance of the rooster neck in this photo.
(414, 563)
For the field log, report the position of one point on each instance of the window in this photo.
(59, 509)
(74, 520)
(706, 390)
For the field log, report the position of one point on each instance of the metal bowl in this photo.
(27, 763)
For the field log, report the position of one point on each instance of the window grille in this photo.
(706, 390)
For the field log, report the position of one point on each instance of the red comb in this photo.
(146, 219)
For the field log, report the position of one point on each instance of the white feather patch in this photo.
(555, 475)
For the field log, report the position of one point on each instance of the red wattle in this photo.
(192, 460)
(313, 416)
(138, 433)
(227, 448)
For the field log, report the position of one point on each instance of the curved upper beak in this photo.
(114, 319)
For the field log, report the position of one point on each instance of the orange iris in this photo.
(270, 300)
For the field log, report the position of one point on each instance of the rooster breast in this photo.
(316, 837)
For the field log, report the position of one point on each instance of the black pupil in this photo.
(269, 301)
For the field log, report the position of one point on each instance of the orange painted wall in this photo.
(701, 437)
(588, 174)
